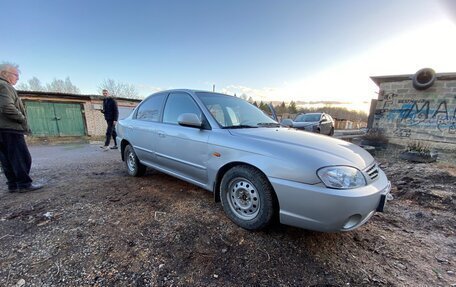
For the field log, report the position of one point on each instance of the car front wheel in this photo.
(134, 167)
(247, 197)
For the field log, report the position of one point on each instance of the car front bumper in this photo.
(319, 208)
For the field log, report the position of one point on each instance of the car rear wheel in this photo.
(247, 197)
(134, 167)
(331, 132)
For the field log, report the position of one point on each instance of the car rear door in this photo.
(182, 150)
(142, 129)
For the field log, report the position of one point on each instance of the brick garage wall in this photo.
(96, 124)
(407, 115)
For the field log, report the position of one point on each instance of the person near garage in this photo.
(111, 115)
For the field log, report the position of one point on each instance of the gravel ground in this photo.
(93, 225)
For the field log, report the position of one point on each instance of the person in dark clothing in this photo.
(14, 154)
(111, 115)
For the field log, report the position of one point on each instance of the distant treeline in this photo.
(335, 112)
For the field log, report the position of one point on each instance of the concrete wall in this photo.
(406, 114)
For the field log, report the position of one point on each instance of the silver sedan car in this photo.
(259, 170)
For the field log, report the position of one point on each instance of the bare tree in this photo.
(119, 89)
(62, 86)
(34, 84)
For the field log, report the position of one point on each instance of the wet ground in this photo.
(93, 225)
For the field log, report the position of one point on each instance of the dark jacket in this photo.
(13, 117)
(110, 110)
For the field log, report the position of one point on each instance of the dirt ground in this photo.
(93, 225)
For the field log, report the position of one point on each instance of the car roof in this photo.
(191, 91)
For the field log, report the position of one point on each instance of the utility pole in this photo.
(213, 88)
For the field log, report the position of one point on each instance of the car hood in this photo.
(305, 145)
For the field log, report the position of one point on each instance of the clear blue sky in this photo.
(274, 50)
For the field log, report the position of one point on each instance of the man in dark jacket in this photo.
(111, 115)
(14, 154)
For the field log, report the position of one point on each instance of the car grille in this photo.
(372, 172)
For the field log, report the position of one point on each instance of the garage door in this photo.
(55, 119)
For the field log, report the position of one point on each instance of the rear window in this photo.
(150, 109)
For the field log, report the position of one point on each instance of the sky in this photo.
(304, 50)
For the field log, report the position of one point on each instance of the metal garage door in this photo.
(55, 119)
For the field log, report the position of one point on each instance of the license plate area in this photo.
(382, 203)
(384, 198)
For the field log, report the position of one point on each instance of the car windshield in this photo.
(232, 112)
(308, 118)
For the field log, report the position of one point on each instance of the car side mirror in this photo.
(190, 120)
(286, 123)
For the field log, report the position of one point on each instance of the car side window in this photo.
(150, 109)
(177, 104)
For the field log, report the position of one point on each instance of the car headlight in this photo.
(341, 177)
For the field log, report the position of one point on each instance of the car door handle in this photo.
(161, 134)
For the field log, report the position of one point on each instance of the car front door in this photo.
(182, 150)
(324, 125)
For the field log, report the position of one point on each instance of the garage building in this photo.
(60, 115)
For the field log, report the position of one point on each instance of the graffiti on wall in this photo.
(403, 133)
(408, 116)
(388, 101)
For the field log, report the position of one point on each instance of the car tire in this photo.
(134, 167)
(424, 79)
(247, 197)
(331, 132)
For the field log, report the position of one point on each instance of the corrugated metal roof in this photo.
(69, 96)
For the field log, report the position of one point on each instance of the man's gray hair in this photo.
(6, 66)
